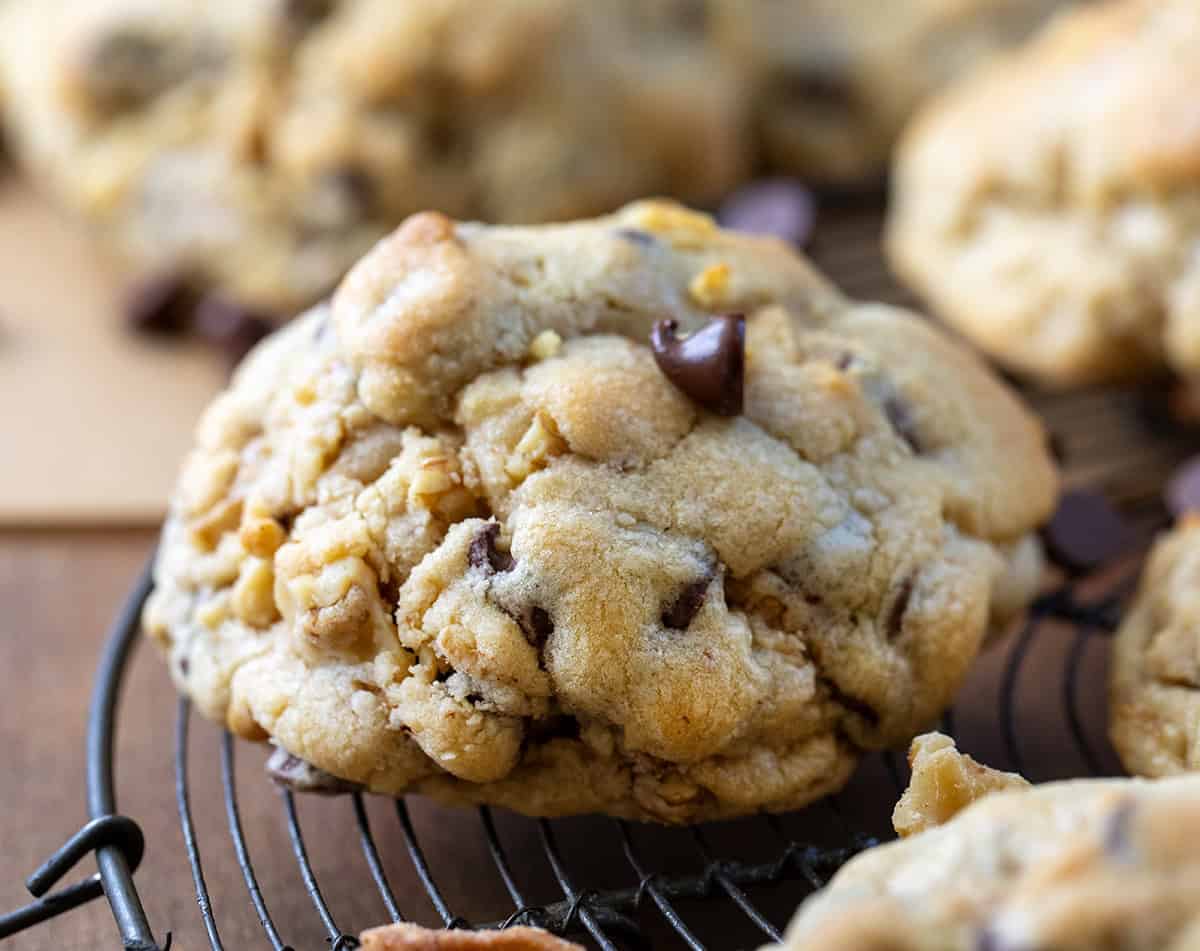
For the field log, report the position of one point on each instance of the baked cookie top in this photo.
(835, 80)
(264, 145)
(1075, 866)
(1154, 691)
(1050, 206)
(475, 529)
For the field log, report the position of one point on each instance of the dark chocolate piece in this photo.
(541, 625)
(895, 619)
(484, 554)
(301, 776)
(1085, 531)
(709, 366)
(1182, 494)
(900, 416)
(780, 207)
(229, 325)
(160, 304)
(686, 606)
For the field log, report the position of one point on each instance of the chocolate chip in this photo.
(1085, 531)
(1182, 494)
(709, 366)
(484, 554)
(895, 618)
(900, 416)
(229, 325)
(845, 361)
(1117, 842)
(161, 304)
(780, 207)
(184, 666)
(541, 625)
(683, 609)
(301, 776)
(636, 237)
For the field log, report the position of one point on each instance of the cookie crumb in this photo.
(944, 782)
(409, 937)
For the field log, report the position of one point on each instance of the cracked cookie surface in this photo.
(1075, 866)
(1050, 206)
(1154, 686)
(457, 533)
(265, 145)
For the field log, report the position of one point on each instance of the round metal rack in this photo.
(612, 918)
(750, 892)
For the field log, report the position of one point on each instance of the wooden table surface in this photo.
(59, 589)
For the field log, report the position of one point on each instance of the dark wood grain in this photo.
(58, 591)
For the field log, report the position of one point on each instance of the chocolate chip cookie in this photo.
(630, 515)
(1074, 866)
(1050, 207)
(835, 80)
(1154, 690)
(264, 145)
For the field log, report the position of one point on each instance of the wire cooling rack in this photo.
(1034, 704)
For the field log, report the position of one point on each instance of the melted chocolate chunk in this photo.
(541, 626)
(161, 304)
(1182, 493)
(229, 325)
(301, 776)
(709, 366)
(895, 619)
(184, 666)
(900, 417)
(1085, 531)
(780, 207)
(679, 614)
(484, 554)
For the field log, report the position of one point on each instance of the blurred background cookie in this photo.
(1050, 206)
(835, 80)
(263, 146)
